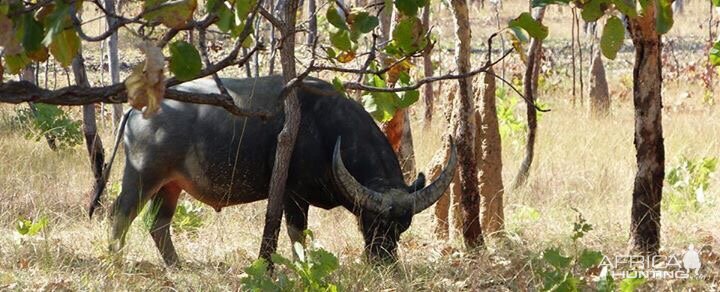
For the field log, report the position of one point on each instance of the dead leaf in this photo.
(7, 37)
(146, 84)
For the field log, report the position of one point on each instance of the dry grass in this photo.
(581, 163)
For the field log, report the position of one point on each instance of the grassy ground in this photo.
(581, 163)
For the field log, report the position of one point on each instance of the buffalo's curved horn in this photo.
(351, 188)
(427, 196)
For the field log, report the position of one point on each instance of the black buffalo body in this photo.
(341, 158)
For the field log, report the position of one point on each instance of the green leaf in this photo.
(627, 7)
(593, 10)
(226, 18)
(33, 33)
(185, 60)
(55, 22)
(380, 106)
(631, 284)
(555, 259)
(324, 263)
(716, 3)
(612, 37)
(243, 8)
(664, 16)
(299, 250)
(334, 17)
(65, 46)
(590, 258)
(171, 13)
(407, 7)
(338, 84)
(533, 27)
(407, 33)
(341, 40)
(408, 98)
(364, 22)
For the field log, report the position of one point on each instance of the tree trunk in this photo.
(114, 61)
(599, 92)
(406, 153)
(464, 130)
(385, 23)
(286, 138)
(449, 199)
(529, 92)
(488, 149)
(92, 139)
(428, 97)
(647, 98)
(312, 25)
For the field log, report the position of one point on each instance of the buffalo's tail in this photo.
(99, 187)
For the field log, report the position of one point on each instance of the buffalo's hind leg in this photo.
(136, 190)
(164, 203)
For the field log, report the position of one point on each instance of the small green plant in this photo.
(309, 272)
(688, 182)
(50, 122)
(28, 227)
(562, 270)
(188, 216)
(511, 126)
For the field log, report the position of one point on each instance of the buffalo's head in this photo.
(385, 214)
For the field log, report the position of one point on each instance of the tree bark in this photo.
(113, 60)
(287, 136)
(312, 25)
(449, 199)
(529, 92)
(488, 147)
(649, 143)
(385, 23)
(428, 97)
(464, 130)
(599, 92)
(92, 139)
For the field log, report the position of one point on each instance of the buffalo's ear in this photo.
(419, 183)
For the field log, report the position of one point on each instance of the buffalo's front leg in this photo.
(164, 204)
(296, 212)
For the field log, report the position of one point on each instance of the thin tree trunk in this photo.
(92, 139)
(273, 39)
(572, 47)
(464, 130)
(647, 98)
(580, 61)
(312, 25)
(406, 152)
(428, 97)
(286, 138)
(385, 23)
(113, 60)
(488, 149)
(599, 92)
(529, 92)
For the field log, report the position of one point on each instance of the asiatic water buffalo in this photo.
(222, 160)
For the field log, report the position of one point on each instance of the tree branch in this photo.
(23, 91)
